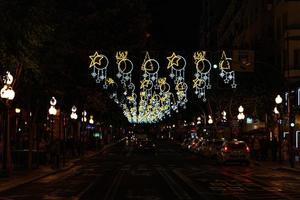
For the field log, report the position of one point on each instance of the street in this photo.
(170, 173)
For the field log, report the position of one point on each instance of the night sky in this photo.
(175, 24)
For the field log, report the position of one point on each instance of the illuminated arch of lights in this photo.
(156, 98)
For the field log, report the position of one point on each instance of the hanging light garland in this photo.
(155, 100)
(178, 75)
(226, 73)
(202, 75)
(99, 63)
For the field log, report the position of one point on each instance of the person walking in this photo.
(256, 148)
(274, 145)
(285, 149)
(264, 148)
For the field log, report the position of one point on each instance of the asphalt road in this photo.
(123, 174)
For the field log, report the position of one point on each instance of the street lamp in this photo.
(210, 122)
(52, 112)
(73, 117)
(74, 114)
(241, 117)
(241, 109)
(91, 121)
(8, 94)
(17, 110)
(83, 129)
(83, 118)
(278, 99)
(279, 113)
(276, 111)
(224, 115)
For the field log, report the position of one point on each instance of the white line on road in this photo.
(113, 189)
(177, 189)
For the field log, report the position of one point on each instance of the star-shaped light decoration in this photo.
(162, 81)
(110, 81)
(173, 60)
(144, 84)
(95, 59)
(197, 83)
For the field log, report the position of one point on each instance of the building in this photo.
(270, 29)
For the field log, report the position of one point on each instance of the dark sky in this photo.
(175, 24)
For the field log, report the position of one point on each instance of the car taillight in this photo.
(248, 149)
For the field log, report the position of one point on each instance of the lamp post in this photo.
(17, 111)
(83, 127)
(278, 101)
(74, 117)
(241, 117)
(8, 94)
(52, 113)
(210, 122)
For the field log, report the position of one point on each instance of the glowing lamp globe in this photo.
(53, 101)
(74, 109)
(74, 116)
(91, 121)
(10, 94)
(241, 109)
(276, 110)
(210, 121)
(9, 78)
(52, 110)
(278, 99)
(17, 110)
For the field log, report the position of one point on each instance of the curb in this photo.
(8, 187)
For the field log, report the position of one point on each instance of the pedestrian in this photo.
(285, 149)
(57, 152)
(256, 148)
(264, 148)
(274, 145)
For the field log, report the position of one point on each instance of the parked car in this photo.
(234, 151)
(215, 147)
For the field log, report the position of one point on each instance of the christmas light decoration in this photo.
(178, 74)
(202, 76)
(156, 99)
(99, 63)
(226, 73)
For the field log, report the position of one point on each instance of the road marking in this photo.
(177, 189)
(113, 189)
(190, 183)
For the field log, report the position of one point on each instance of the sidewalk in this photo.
(22, 177)
(276, 165)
